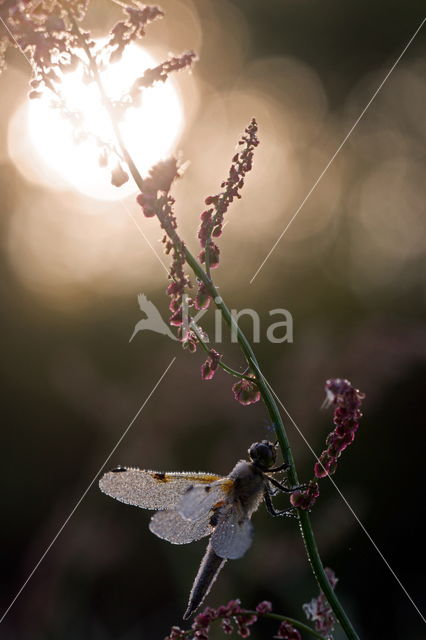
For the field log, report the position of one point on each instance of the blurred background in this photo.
(350, 270)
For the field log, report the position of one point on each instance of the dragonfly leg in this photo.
(283, 467)
(290, 512)
(285, 489)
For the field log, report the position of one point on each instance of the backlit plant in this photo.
(50, 34)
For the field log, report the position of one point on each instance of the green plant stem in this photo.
(267, 396)
(295, 623)
(207, 250)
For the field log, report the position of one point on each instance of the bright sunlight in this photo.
(57, 159)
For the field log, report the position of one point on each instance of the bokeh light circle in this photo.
(43, 145)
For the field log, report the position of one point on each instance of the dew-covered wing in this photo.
(151, 489)
(233, 534)
(200, 499)
(170, 526)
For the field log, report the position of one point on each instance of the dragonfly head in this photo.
(263, 454)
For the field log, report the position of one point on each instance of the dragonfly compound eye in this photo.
(263, 453)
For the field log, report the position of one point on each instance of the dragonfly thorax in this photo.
(248, 485)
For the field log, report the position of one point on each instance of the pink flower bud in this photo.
(227, 627)
(297, 499)
(214, 253)
(33, 95)
(305, 499)
(264, 607)
(208, 369)
(118, 176)
(246, 392)
(147, 201)
(286, 631)
(203, 619)
(174, 288)
(326, 465)
(202, 299)
(190, 342)
(176, 318)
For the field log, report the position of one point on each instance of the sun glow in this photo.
(58, 159)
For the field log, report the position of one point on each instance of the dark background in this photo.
(71, 383)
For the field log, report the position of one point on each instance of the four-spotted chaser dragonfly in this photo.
(191, 506)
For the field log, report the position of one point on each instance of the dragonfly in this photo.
(193, 505)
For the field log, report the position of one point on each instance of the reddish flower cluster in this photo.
(287, 632)
(319, 611)
(233, 618)
(347, 400)
(156, 200)
(209, 367)
(246, 392)
(39, 29)
(159, 73)
(242, 162)
(213, 254)
(133, 27)
(229, 614)
(160, 179)
(47, 32)
(306, 498)
(212, 218)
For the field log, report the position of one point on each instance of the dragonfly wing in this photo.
(170, 526)
(151, 489)
(233, 534)
(200, 499)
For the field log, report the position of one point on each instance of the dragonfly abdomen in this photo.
(209, 569)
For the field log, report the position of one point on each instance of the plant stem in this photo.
(295, 623)
(207, 260)
(267, 396)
